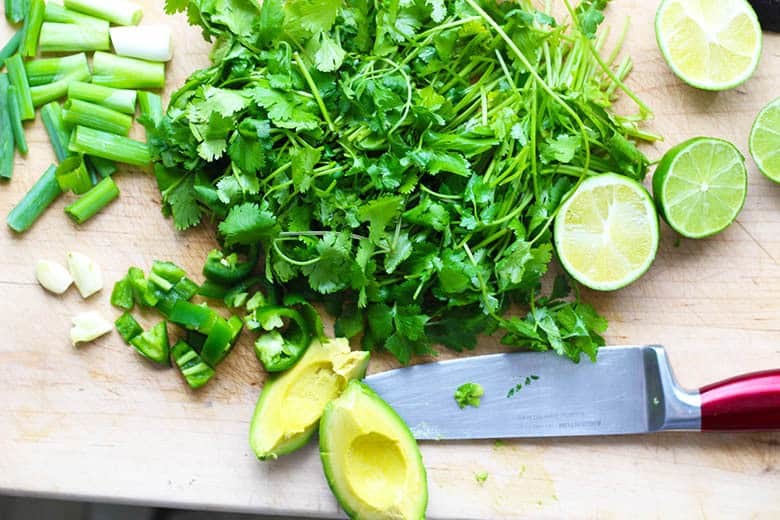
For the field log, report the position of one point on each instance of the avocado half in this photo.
(291, 403)
(371, 459)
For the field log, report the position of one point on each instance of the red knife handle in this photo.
(746, 402)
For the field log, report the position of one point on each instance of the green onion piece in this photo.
(67, 37)
(6, 133)
(49, 70)
(16, 10)
(18, 78)
(218, 342)
(127, 327)
(193, 317)
(57, 13)
(32, 28)
(41, 195)
(151, 108)
(11, 46)
(168, 271)
(59, 135)
(196, 373)
(118, 72)
(43, 94)
(109, 146)
(119, 12)
(15, 112)
(143, 294)
(72, 175)
(122, 294)
(120, 100)
(153, 344)
(89, 204)
(103, 167)
(78, 112)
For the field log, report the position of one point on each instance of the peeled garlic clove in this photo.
(88, 326)
(86, 274)
(52, 276)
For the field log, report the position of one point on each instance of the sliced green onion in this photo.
(11, 46)
(57, 13)
(146, 42)
(16, 10)
(16, 119)
(41, 195)
(59, 135)
(196, 373)
(6, 133)
(42, 94)
(118, 72)
(32, 28)
(72, 175)
(122, 294)
(78, 112)
(103, 167)
(153, 344)
(49, 70)
(109, 146)
(127, 327)
(66, 37)
(151, 108)
(18, 78)
(119, 12)
(89, 204)
(120, 100)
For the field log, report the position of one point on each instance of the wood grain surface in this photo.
(98, 422)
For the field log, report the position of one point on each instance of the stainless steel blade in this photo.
(628, 390)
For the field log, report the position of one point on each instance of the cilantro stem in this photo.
(299, 263)
(314, 91)
(539, 80)
(619, 44)
(645, 110)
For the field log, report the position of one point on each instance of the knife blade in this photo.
(629, 390)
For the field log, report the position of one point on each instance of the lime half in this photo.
(700, 186)
(606, 232)
(709, 44)
(765, 140)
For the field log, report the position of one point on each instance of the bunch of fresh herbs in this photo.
(402, 160)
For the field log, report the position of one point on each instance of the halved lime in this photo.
(700, 186)
(606, 232)
(709, 44)
(765, 140)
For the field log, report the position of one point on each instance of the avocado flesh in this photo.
(291, 403)
(371, 460)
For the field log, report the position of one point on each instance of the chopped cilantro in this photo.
(469, 394)
(481, 477)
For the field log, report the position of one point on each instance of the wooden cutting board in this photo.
(100, 423)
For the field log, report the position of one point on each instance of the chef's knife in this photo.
(628, 390)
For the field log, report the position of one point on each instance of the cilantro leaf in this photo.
(248, 223)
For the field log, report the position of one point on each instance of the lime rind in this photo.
(700, 186)
(764, 142)
(729, 45)
(607, 233)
